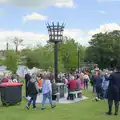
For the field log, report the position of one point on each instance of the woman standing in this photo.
(86, 79)
(32, 91)
(81, 81)
(47, 91)
(40, 81)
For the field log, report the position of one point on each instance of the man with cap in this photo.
(114, 91)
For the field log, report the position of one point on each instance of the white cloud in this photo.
(31, 38)
(105, 28)
(70, 4)
(78, 34)
(108, 0)
(34, 17)
(102, 12)
(83, 37)
(38, 3)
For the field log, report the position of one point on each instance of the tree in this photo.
(11, 61)
(17, 42)
(104, 49)
(1, 62)
(68, 54)
(39, 57)
(43, 56)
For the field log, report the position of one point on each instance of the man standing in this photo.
(114, 91)
(98, 85)
(27, 78)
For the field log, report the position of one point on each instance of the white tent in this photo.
(2, 68)
(22, 70)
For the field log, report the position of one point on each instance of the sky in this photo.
(26, 19)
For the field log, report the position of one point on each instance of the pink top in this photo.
(82, 84)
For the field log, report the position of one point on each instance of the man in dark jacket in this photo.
(98, 85)
(114, 91)
(27, 79)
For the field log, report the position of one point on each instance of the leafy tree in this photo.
(40, 57)
(11, 61)
(68, 53)
(43, 56)
(1, 62)
(104, 49)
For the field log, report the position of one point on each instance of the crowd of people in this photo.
(104, 83)
(9, 78)
(45, 83)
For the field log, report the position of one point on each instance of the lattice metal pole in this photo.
(55, 36)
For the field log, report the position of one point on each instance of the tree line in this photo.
(103, 50)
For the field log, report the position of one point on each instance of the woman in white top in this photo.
(47, 91)
(86, 80)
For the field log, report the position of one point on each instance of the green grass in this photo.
(84, 110)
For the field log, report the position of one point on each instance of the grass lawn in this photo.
(84, 110)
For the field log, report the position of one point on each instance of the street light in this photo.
(78, 54)
(67, 61)
(55, 32)
(67, 56)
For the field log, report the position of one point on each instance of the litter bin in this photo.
(11, 93)
(61, 89)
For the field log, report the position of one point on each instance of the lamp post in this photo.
(67, 56)
(7, 46)
(78, 52)
(55, 32)
(67, 61)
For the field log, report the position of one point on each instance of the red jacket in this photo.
(72, 85)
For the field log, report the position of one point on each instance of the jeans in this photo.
(98, 91)
(32, 99)
(85, 84)
(45, 96)
(105, 94)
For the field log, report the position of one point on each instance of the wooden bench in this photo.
(75, 94)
